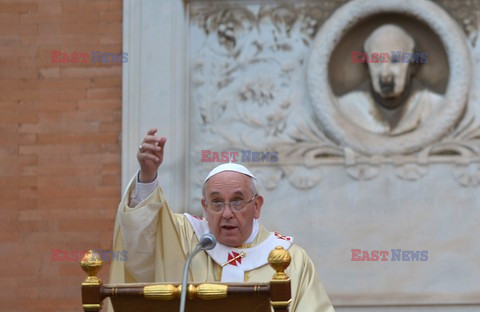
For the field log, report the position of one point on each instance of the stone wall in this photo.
(261, 77)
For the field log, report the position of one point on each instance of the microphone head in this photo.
(208, 241)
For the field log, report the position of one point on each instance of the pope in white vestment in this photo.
(158, 241)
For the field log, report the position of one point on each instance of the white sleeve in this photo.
(141, 191)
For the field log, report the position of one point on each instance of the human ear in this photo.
(258, 206)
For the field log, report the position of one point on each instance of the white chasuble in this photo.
(157, 242)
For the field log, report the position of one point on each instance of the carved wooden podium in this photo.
(201, 297)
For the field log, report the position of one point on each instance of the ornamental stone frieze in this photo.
(279, 77)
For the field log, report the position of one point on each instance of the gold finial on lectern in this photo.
(279, 260)
(91, 264)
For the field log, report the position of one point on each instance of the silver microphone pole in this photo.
(207, 242)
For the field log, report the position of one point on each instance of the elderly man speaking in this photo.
(157, 240)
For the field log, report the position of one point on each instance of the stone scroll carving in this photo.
(261, 80)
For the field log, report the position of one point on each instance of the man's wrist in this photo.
(143, 178)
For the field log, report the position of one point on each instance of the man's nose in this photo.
(227, 212)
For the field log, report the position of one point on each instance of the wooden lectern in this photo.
(201, 297)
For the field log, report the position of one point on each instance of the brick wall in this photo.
(60, 155)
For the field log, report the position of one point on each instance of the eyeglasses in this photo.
(236, 205)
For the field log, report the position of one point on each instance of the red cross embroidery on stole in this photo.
(232, 256)
(280, 236)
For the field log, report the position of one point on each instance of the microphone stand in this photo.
(183, 295)
(207, 242)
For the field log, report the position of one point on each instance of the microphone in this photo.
(207, 242)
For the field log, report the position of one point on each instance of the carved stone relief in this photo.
(261, 80)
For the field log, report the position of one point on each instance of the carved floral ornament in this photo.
(258, 59)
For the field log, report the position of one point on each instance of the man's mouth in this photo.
(228, 227)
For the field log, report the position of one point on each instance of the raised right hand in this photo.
(150, 155)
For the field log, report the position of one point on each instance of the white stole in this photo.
(255, 257)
